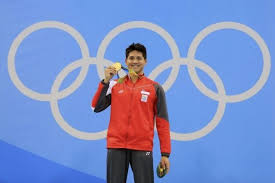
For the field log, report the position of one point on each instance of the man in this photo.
(136, 104)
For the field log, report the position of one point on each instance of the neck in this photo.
(133, 78)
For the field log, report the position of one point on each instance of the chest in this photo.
(141, 94)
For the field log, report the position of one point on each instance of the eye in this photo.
(139, 58)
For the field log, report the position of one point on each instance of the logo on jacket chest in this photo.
(144, 95)
(121, 91)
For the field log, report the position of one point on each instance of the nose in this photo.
(135, 60)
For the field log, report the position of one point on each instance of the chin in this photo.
(137, 71)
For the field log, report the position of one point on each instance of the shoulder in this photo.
(156, 85)
(148, 80)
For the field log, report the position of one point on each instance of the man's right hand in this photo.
(109, 73)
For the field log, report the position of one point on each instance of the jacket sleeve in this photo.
(162, 122)
(101, 99)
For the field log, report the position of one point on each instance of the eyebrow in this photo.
(135, 57)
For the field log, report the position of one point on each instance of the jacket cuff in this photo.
(165, 154)
(105, 84)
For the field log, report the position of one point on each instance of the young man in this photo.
(136, 104)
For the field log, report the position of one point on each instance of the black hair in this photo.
(138, 47)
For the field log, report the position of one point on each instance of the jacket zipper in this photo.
(130, 113)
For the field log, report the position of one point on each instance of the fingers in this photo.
(165, 164)
(111, 70)
(109, 73)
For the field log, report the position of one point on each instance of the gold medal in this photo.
(161, 172)
(132, 73)
(117, 66)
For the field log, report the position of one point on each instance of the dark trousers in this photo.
(118, 161)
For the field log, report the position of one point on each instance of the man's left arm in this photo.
(163, 127)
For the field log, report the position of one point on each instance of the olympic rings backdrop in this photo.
(213, 59)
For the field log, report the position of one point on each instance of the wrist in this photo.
(106, 81)
(165, 155)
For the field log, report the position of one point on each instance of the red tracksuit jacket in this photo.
(134, 106)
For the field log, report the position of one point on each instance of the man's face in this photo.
(136, 61)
